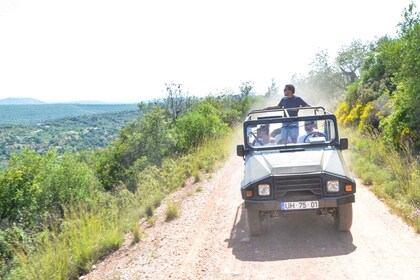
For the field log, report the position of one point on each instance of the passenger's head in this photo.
(264, 132)
(310, 126)
(289, 90)
(264, 129)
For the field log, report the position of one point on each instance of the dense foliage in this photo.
(59, 212)
(375, 89)
(386, 96)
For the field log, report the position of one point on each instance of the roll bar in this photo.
(285, 112)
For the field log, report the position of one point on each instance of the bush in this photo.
(65, 181)
(19, 189)
(369, 120)
(199, 125)
(342, 112)
(353, 118)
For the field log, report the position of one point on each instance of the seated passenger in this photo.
(264, 138)
(311, 131)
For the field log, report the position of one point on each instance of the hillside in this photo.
(63, 135)
(35, 113)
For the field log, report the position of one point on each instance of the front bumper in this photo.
(273, 205)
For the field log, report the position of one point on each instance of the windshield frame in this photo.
(300, 146)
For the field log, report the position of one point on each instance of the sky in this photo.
(125, 51)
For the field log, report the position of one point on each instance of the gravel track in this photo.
(210, 241)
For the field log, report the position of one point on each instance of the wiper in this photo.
(292, 150)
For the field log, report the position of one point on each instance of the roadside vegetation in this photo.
(375, 89)
(60, 214)
(394, 175)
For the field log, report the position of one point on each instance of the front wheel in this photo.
(254, 222)
(343, 217)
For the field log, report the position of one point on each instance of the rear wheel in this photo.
(254, 222)
(343, 217)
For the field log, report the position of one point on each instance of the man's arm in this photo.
(303, 103)
(272, 107)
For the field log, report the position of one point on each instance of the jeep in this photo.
(293, 162)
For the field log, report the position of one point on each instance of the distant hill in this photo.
(70, 134)
(20, 101)
(35, 113)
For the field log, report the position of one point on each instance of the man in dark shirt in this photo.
(290, 101)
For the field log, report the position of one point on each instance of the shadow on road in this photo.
(293, 236)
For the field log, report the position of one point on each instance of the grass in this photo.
(90, 232)
(150, 210)
(66, 252)
(394, 176)
(137, 233)
(199, 189)
(172, 211)
(196, 174)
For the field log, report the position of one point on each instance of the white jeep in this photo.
(298, 166)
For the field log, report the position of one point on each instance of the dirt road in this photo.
(210, 241)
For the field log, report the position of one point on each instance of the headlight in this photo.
(264, 190)
(333, 186)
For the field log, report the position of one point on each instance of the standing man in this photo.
(290, 101)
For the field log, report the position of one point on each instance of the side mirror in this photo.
(344, 144)
(240, 150)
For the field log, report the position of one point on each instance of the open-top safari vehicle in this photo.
(293, 162)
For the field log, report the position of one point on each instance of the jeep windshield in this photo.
(275, 129)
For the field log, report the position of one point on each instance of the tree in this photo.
(324, 82)
(177, 102)
(273, 89)
(350, 60)
(403, 125)
(246, 88)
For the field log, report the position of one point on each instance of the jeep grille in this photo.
(303, 186)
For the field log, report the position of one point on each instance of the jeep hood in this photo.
(262, 165)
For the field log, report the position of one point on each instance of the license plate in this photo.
(299, 205)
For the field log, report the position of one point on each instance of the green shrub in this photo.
(66, 181)
(172, 211)
(19, 189)
(199, 125)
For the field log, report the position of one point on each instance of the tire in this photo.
(254, 222)
(343, 217)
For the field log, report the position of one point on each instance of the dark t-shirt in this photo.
(292, 102)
